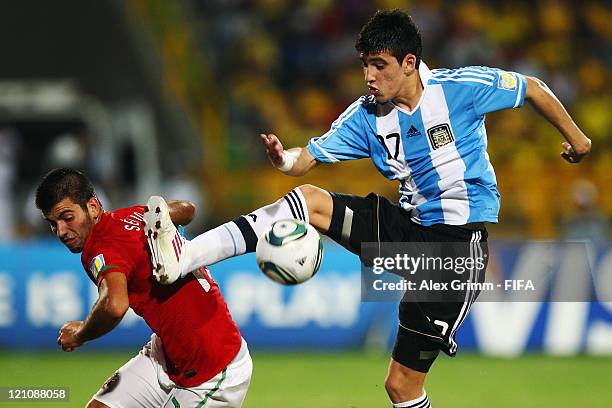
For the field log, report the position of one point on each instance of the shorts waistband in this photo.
(473, 226)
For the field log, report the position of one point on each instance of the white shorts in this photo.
(142, 383)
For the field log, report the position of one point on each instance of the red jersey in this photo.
(190, 316)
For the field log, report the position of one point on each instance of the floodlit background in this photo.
(153, 96)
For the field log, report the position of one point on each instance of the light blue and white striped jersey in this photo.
(438, 151)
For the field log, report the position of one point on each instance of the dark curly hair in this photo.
(391, 31)
(63, 183)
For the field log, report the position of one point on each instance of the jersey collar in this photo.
(424, 73)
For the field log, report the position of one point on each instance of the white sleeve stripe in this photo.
(518, 94)
(324, 136)
(474, 67)
(347, 111)
(325, 153)
(354, 108)
(463, 80)
(477, 69)
(466, 69)
(465, 74)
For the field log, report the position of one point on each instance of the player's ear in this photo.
(409, 64)
(94, 207)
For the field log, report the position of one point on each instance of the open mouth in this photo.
(373, 91)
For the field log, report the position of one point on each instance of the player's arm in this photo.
(547, 104)
(181, 211)
(104, 316)
(293, 162)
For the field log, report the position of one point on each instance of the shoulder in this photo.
(353, 112)
(99, 242)
(470, 76)
(127, 211)
(116, 226)
(369, 104)
(125, 216)
(363, 102)
(95, 256)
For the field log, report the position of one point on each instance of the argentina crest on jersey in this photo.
(440, 135)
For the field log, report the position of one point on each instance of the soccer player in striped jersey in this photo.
(426, 129)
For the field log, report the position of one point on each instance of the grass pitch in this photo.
(343, 380)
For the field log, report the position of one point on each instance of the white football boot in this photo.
(165, 241)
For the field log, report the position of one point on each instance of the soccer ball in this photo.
(289, 252)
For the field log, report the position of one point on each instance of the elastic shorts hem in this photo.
(415, 350)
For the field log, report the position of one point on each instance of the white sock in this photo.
(240, 235)
(212, 246)
(421, 402)
(292, 205)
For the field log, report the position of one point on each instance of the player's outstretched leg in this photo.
(307, 203)
(165, 242)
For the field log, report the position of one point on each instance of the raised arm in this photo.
(105, 314)
(293, 162)
(547, 104)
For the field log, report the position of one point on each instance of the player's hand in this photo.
(68, 339)
(274, 149)
(570, 155)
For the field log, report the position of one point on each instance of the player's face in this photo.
(384, 76)
(71, 223)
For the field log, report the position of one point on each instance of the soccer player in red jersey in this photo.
(196, 356)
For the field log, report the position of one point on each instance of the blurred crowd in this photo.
(245, 67)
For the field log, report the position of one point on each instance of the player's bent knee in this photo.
(96, 404)
(312, 194)
(320, 205)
